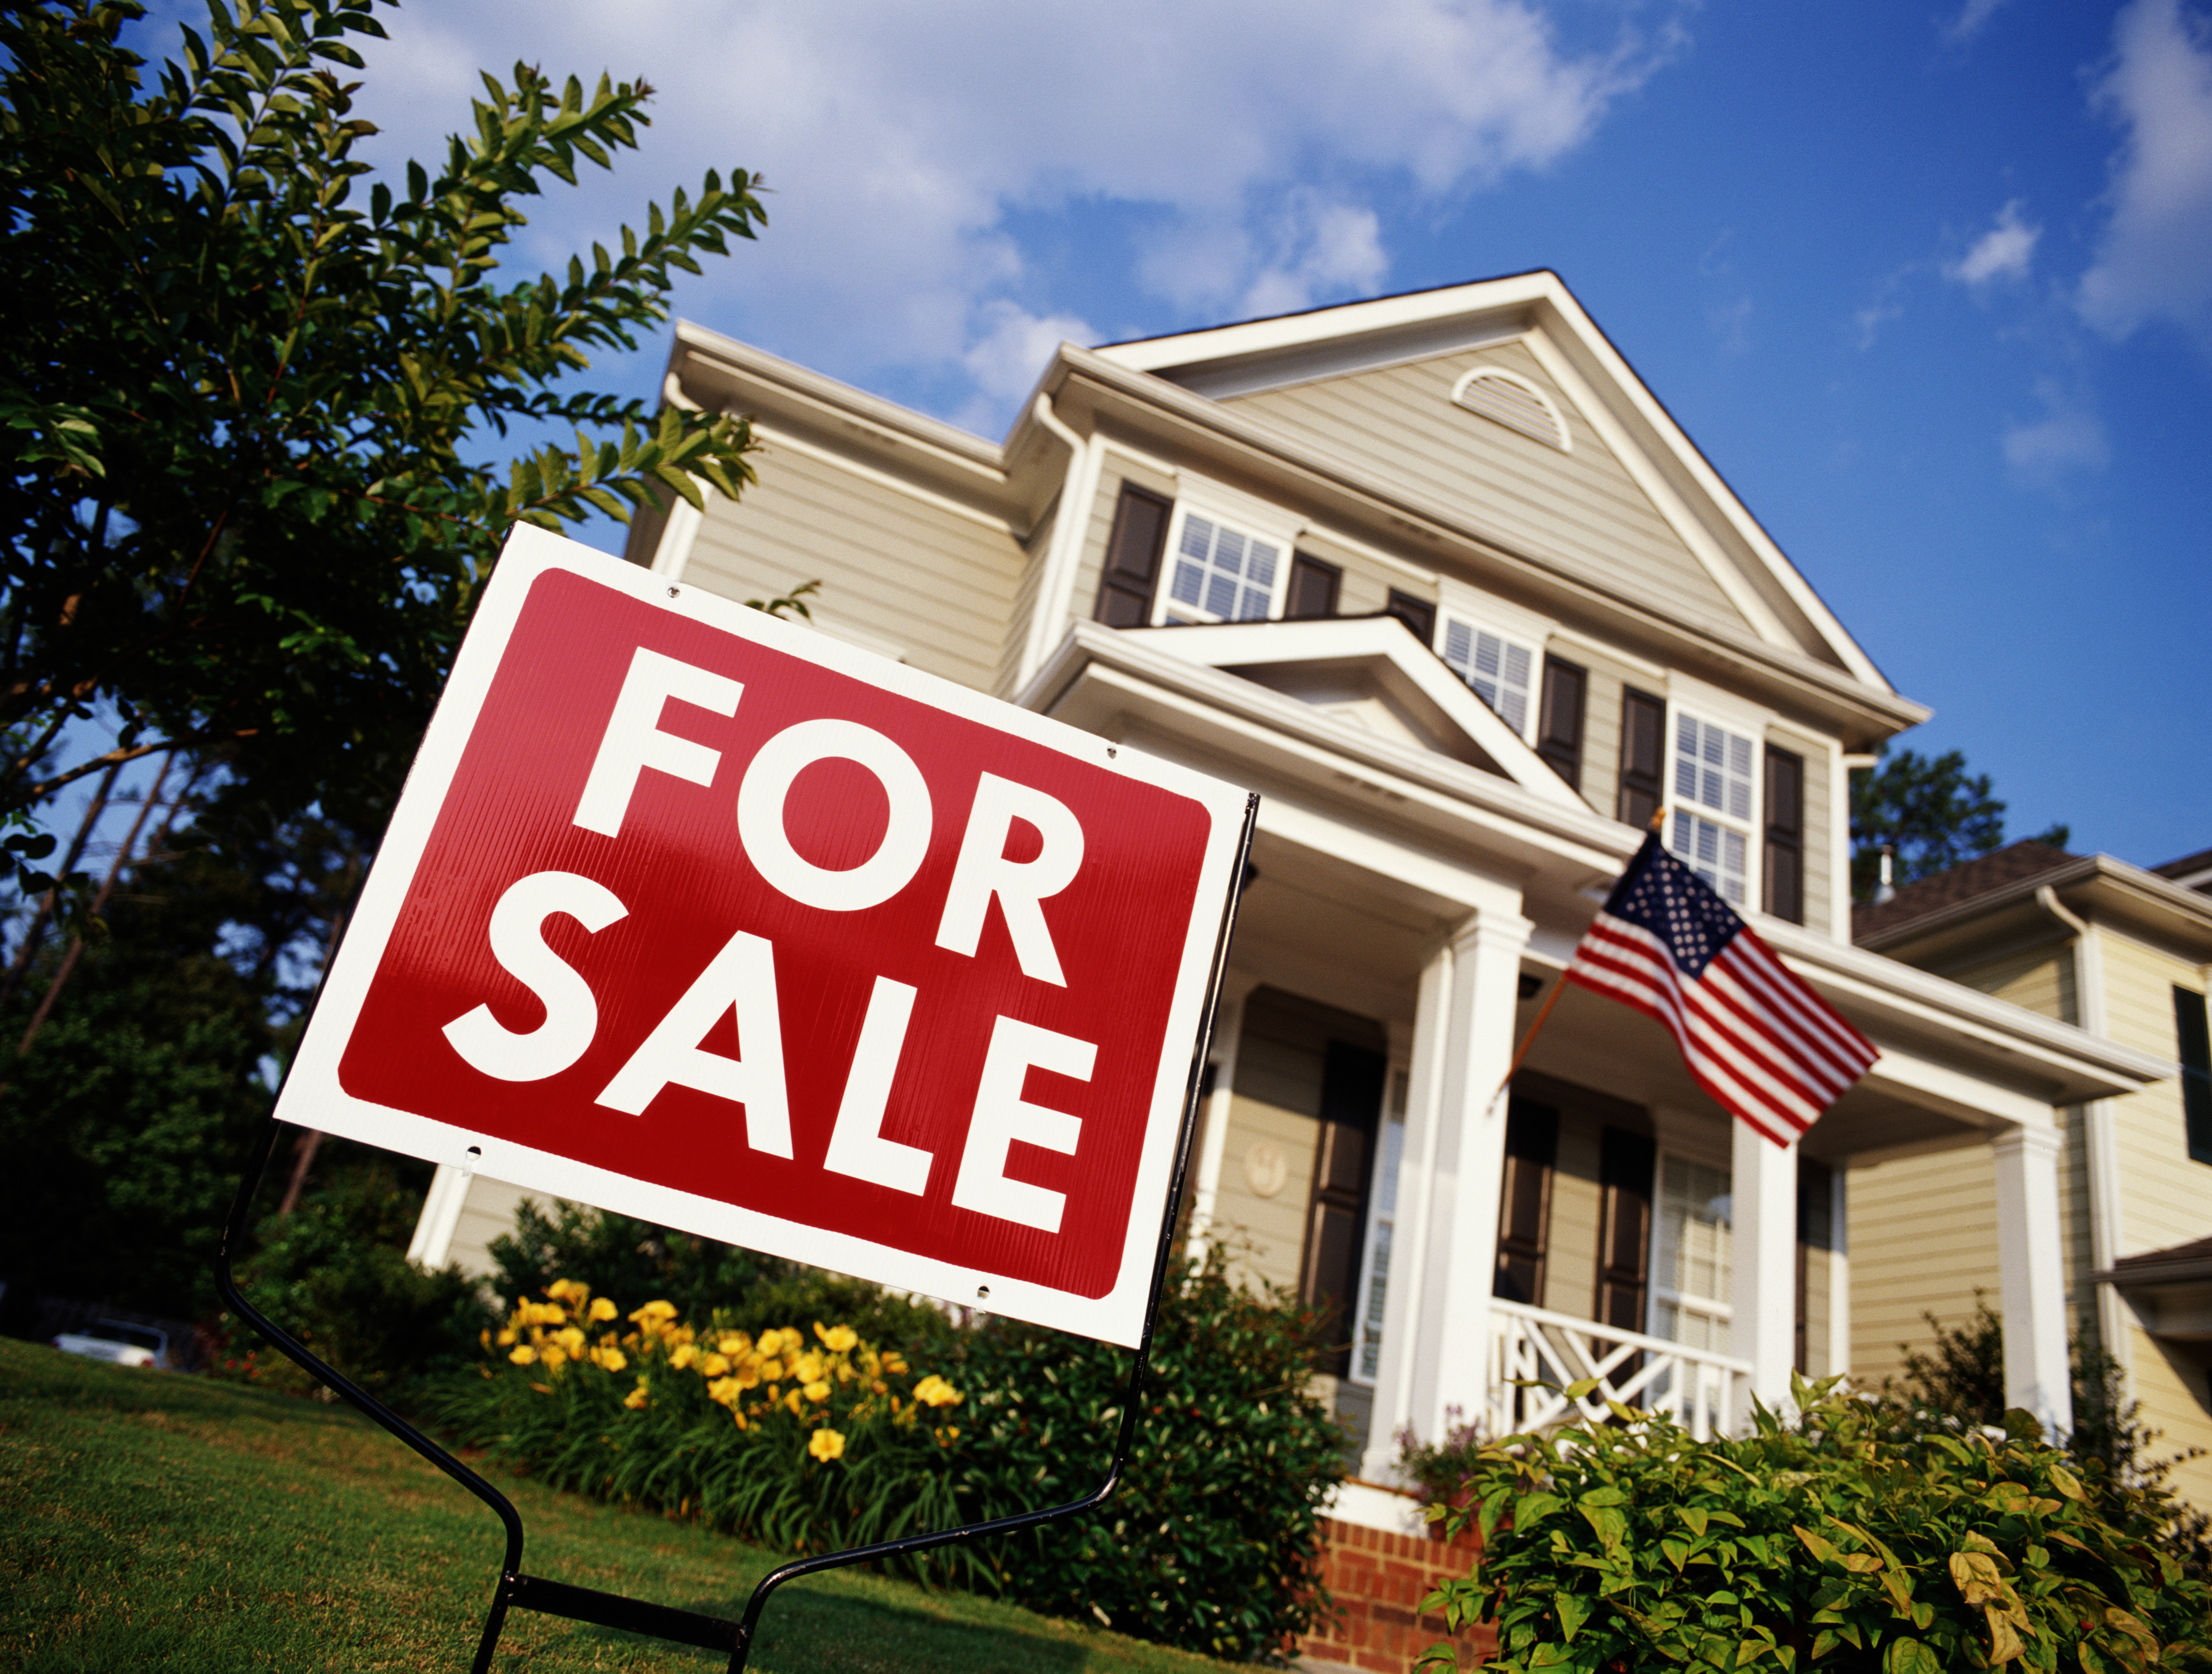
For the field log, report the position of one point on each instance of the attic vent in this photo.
(1514, 402)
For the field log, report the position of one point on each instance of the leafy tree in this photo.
(240, 408)
(1930, 812)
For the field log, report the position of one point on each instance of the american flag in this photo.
(1753, 1032)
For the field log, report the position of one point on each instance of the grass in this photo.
(149, 1520)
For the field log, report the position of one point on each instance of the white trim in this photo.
(678, 534)
(1372, 1506)
(1234, 514)
(1214, 1137)
(1839, 1274)
(1560, 437)
(1396, 1078)
(1063, 552)
(441, 1213)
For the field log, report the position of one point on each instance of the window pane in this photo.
(1188, 579)
(1221, 596)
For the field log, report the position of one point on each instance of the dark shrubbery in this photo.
(782, 1420)
(1867, 1537)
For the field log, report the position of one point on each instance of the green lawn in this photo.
(149, 1520)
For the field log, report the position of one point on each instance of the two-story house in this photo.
(1441, 578)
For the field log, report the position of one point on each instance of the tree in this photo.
(237, 511)
(1929, 812)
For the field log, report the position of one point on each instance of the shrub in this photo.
(335, 1274)
(1866, 1537)
(801, 1441)
(1214, 1541)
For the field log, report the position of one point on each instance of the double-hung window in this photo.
(1712, 795)
(1500, 671)
(1220, 573)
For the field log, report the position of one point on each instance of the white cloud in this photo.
(2154, 260)
(2067, 437)
(2002, 252)
(1015, 344)
(914, 149)
(1971, 18)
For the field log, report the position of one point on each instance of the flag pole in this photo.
(1558, 987)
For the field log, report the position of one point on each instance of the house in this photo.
(2125, 955)
(1441, 578)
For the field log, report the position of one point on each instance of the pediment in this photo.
(1368, 673)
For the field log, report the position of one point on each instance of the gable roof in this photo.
(1225, 362)
(2001, 870)
(2011, 876)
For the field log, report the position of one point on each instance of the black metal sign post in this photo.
(519, 1592)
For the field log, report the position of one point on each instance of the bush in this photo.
(1867, 1536)
(335, 1274)
(1212, 1543)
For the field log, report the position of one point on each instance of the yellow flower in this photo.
(554, 1358)
(603, 1309)
(737, 1413)
(723, 1389)
(571, 1341)
(792, 1402)
(880, 1387)
(837, 1338)
(895, 1365)
(653, 1314)
(612, 1360)
(637, 1398)
(506, 1336)
(562, 1289)
(714, 1365)
(808, 1368)
(733, 1343)
(934, 1391)
(817, 1391)
(524, 1354)
(793, 1342)
(770, 1370)
(683, 1354)
(826, 1444)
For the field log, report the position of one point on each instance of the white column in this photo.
(441, 1212)
(1762, 1302)
(1213, 1113)
(2033, 1280)
(1436, 1329)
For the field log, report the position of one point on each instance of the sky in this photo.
(1929, 282)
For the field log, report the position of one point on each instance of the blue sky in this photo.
(1929, 281)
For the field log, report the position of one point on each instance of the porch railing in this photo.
(1531, 1346)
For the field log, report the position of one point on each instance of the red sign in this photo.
(711, 919)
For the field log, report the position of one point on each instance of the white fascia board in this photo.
(1959, 1093)
(1382, 639)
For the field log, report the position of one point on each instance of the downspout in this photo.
(2100, 1136)
(1050, 606)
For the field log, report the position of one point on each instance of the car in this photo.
(118, 1343)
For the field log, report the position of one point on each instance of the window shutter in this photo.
(1313, 587)
(1559, 718)
(1133, 558)
(2193, 1046)
(1336, 1220)
(1419, 614)
(1643, 751)
(1623, 1273)
(1815, 1213)
(1785, 835)
(1532, 1148)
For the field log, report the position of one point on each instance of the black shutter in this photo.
(1623, 1272)
(1133, 558)
(1524, 1209)
(1816, 1214)
(1419, 614)
(1559, 718)
(2193, 1046)
(1785, 835)
(1642, 755)
(1336, 1220)
(1313, 588)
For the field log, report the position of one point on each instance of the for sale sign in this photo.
(705, 917)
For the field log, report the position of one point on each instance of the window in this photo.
(1221, 574)
(1690, 1256)
(1336, 1219)
(1643, 746)
(1313, 588)
(1381, 1218)
(1784, 867)
(1712, 770)
(1133, 558)
(2193, 1046)
(1497, 668)
(1559, 718)
(1419, 614)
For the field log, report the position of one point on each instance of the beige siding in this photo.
(1365, 588)
(1819, 818)
(1026, 603)
(1816, 1314)
(2040, 979)
(1602, 719)
(1570, 1248)
(1923, 1239)
(2177, 1405)
(2167, 1198)
(904, 571)
(1399, 424)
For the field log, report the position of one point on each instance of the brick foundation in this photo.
(1378, 1581)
